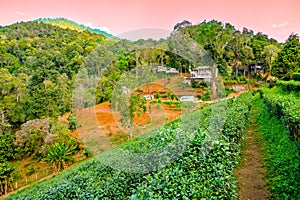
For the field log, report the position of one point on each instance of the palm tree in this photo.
(60, 155)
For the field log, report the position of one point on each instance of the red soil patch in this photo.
(111, 128)
(234, 94)
(101, 120)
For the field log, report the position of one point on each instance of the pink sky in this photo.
(277, 18)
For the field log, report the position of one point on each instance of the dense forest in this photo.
(39, 62)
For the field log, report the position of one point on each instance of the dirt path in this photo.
(250, 174)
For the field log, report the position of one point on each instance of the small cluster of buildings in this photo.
(201, 73)
(171, 71)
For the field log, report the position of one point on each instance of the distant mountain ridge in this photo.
(66, 23)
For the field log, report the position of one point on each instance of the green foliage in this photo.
(60, 155)
(173, 96)
(157, 96)
(206, 96)
(193, 175)
(195, 84)
(36, 136)
(73, 122)
(87, 153)
(201, 84)
(286, 108)
(12, 97)
(258, 76)
(296, 76)
(43, 60)
(234, 50)
(8, 151)
(287, 62)
(228, 91)
(281, 156)
(38, 63)
(7, 172)
(289, 85)
(270, 53)
(169, 103)
(258, 43)
(137, 105)
(241, 53)
(164, 96)
(30, 172)
(32, 135)
(123, 62)
(107, 84)
(129, 106)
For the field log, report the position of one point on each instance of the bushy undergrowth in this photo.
(289, 85)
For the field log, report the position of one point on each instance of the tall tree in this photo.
(12, 92)
(136, 107)
(241, 52)
(180, 25)
(6, 177)
(270, 53)
(288, 59)
(257, 43)
(129, 106)
(215, 38)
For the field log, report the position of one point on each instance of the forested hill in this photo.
(66, 23)
(38, 63)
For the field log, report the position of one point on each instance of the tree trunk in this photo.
(148, 88)
(237, 69)
(180, 70)
(2, 118)
(214, 87)
(130, 132)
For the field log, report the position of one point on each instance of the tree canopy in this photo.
(288, 60)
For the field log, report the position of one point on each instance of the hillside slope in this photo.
(41, 62)
(66, 23)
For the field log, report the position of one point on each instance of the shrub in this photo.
(73, 122)
(206, 96)
(289, 85)
(286, 108)
(296, 76)
(157, 96)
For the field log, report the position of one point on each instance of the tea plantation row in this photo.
(277, 120)
(284, 107)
